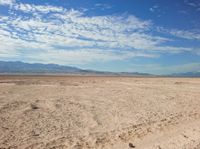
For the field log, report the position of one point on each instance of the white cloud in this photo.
(154, 8)
(185, 34)
(38, 8)
(69, 36)
(103, 6)
(7, 2)
(193, 4)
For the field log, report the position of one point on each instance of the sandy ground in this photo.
(99, 112)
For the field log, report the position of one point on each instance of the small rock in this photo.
(159, 147)
(33, 106)
(34, 133)
(131, 145)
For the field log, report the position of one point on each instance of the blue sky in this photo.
(152, 36)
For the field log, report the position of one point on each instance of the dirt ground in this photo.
(75, 112)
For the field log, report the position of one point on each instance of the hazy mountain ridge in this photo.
(21, 67)
(186, 74)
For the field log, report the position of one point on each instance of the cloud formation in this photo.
(195, 4)
(185, 34)
(103, 6)
(7, 2)
(45, 33)
(154, 8)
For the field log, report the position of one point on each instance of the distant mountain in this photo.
(186, 74)
(20, 67)
(38, 68)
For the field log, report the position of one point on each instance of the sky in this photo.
(149, 36)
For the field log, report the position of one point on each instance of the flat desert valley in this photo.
(82, 112)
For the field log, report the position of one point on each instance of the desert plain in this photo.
(96, 112)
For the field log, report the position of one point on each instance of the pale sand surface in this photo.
(99, 112)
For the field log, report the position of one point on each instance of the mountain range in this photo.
(13, 67)
(186, 74)
(18, 67)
